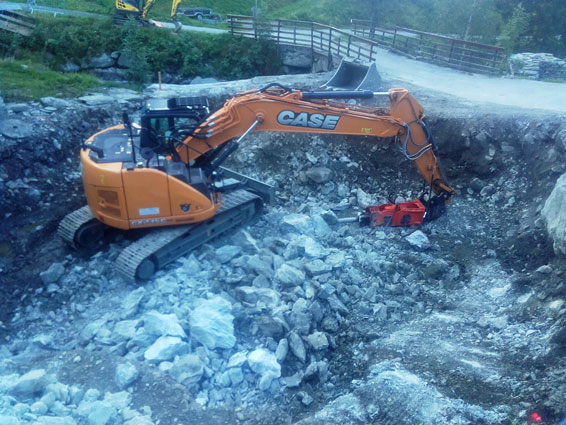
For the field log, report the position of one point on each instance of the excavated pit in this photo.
(455, 326)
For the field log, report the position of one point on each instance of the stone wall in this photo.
(299, 59)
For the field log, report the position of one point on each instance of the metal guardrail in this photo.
(320, 38)
(438, 49)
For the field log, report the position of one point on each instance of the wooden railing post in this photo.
(394, 37)
(349, 42)
(295, 34)
(371, 52)
(312, 46)
(312, 37)
(330, 41)
(451, 51)
(278, 31)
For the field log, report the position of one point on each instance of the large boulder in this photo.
(554, 214)
(212, 324)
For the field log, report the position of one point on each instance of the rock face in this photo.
(302, 59)
(15, 129)
(554, 214)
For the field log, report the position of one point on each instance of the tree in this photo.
(515, 31)
(374, 7)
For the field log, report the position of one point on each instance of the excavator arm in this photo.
(284, 110)
(174, 6)
(147, 5)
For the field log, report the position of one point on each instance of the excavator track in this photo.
(141, 259)
(72, 223)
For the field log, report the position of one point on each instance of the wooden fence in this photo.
(438, 49)
(320, 38)
(16, 22)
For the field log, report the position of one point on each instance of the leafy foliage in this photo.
(515, 32)
(516, 24)
(148, 50)
(61, 40)
(190, 54)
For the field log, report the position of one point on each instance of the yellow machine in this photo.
(166, 173)
(139, 9)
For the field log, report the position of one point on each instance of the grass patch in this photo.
(21, 81)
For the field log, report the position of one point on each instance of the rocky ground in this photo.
(297, 318)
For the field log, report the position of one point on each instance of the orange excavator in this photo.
(166, 173)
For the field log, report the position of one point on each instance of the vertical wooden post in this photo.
(494, 59)
(312, 37)
(394, 37)
(312, 46)
(451, 51)
(349, 42)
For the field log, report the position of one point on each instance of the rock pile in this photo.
(37, 397)
(537, 66)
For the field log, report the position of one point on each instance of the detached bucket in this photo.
(355, 76)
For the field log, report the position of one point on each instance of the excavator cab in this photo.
(166, 123)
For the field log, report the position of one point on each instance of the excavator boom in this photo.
(313, 112)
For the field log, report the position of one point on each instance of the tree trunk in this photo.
(374, 13)
(469, 26)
